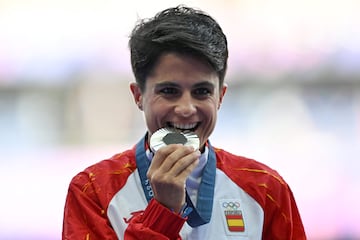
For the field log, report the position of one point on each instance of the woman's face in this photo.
(181, 92)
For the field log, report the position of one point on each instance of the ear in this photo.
(222, 94)
(137, 94)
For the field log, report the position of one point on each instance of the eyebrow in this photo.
(166, 84)
(204, 84)
(173, 84)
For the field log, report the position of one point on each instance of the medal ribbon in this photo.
(201, 214)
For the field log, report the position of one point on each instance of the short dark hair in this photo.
(182, 30)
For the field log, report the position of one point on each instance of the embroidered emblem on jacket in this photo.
(234, 218)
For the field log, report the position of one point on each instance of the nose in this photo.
(185, 106)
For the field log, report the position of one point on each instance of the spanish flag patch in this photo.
(233, 217)
(235, 221)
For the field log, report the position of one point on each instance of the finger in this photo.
(184, 166)
(167, 156)
(178, 160)
(177, 173)
(159, 157)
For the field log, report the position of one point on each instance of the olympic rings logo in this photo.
(231, 205)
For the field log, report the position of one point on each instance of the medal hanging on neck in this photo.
(200, 214)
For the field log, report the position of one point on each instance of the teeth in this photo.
(184, 126)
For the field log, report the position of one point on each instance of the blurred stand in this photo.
(293, 102)
(307, 130)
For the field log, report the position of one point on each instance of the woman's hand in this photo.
(169, 169)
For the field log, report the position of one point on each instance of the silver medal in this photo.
(166, 136)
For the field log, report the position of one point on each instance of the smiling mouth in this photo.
(183, 127)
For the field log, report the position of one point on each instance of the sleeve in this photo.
(84, 217)
(282, 218)
(156, 222)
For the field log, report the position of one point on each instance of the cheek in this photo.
(211, 109)
(155, 110)
(210, 116)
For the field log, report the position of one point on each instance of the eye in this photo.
(169, 91)
(202, 92)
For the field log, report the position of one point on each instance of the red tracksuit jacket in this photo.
(251, 201)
